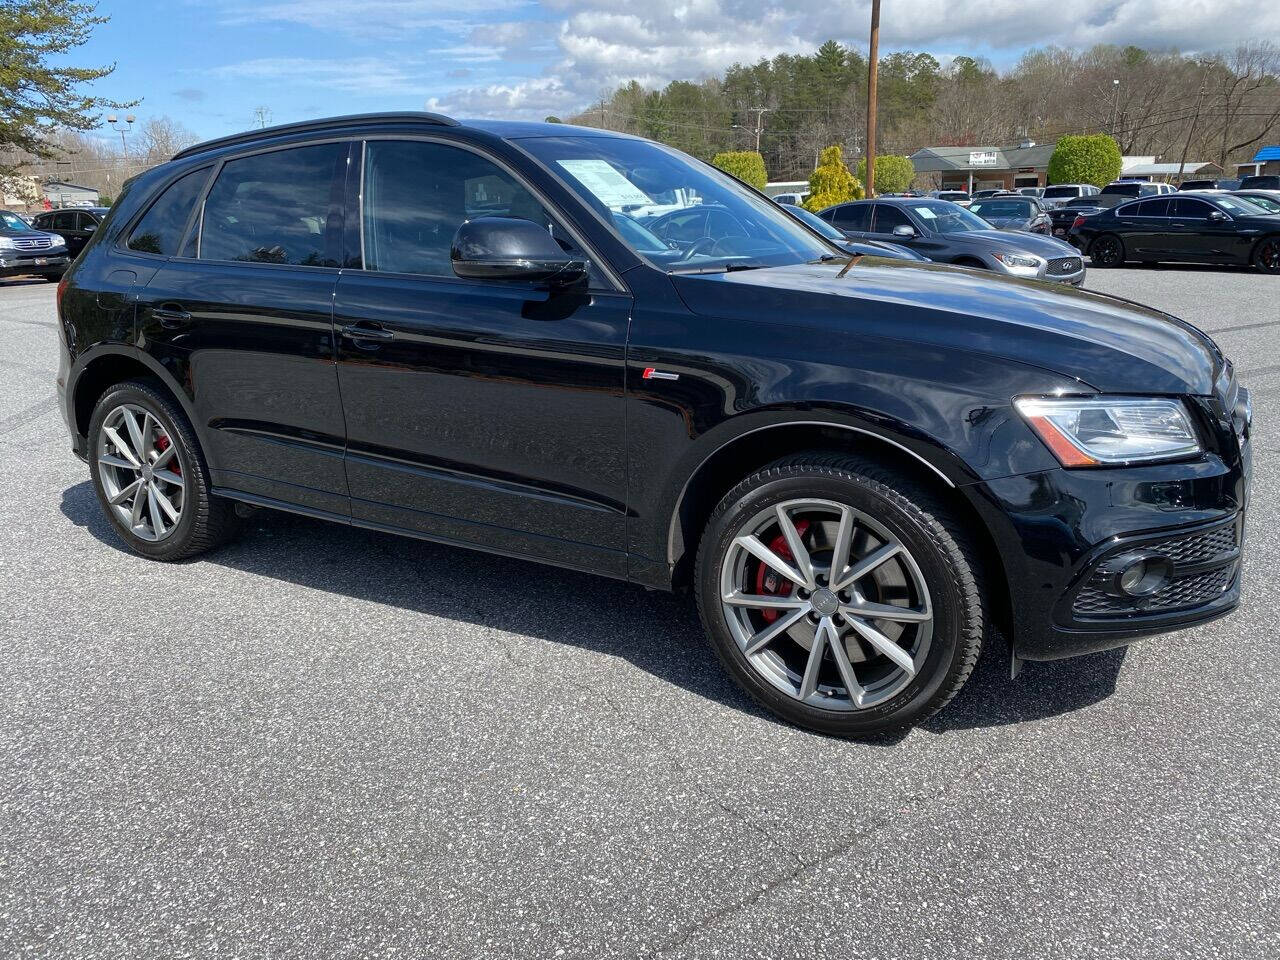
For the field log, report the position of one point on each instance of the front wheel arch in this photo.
(1255, 257)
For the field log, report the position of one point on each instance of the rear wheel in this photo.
(841, 596)
(150, 475)
(1266, 256)
(1107, 251)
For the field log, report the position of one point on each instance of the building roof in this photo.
(1168, 169)
(947, 159)
(1267, 153)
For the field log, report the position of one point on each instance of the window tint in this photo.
(887, 218)
(160, 229)
(417, 194)
(1190, 208)
(852, 216)
(1153, 208)
(723, 224)
(64, 221)
(278, 207)
(682, 227)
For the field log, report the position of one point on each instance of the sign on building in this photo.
(984, 158)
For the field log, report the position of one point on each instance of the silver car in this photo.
(946, 232)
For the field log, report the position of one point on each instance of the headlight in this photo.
(1098, 431)
(57, 241)
(1017, 260)
(6, 243)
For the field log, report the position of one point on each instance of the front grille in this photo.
(1065, 265)
(1191, 585)
(33, 243)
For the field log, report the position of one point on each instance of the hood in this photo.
(1041, 246)
(879, 248)
(1110, 344)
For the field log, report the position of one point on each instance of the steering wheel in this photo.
(701, 245)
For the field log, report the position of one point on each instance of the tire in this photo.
(936, 573)
(1107, 251)
(202, 522)
(1266, 255)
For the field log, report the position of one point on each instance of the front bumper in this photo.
(1062, 525)
(14, 265)
(1048, 270)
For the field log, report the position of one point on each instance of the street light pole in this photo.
(124, 127)
(872, 71)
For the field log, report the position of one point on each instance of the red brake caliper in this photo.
(162, 444)
(769, 582)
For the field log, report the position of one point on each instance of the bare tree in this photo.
(161, 137)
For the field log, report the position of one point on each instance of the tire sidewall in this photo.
(1117, 260)
(176, 542)
(1257, 255)
(939, 574)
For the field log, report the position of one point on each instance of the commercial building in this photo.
(62, 194)
(1266, 162)
(984, 168)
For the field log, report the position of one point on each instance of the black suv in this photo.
(465, 333)
(73, 226)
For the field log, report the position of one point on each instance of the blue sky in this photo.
(210, 64)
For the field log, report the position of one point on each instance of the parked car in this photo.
(948, 233)
(1187, 228)
(1219, 184)
(1268, 200)
(984, 194)
(791, 199)
(860, 471)
(1064, 216)
(24, 250)
(1136, 188)
(1060, 193)
(1030, 191)
(955, 196)
(867, 248)
(1260, 182)
(74, 226)
(1012, 212)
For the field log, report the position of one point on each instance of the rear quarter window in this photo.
(161, 227)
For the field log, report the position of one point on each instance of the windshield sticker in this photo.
(611, 187)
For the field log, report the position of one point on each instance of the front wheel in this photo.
(841, 596)
(1266, 257)
(1107, 251)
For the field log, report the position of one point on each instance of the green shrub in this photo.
(832, 182)
(893, 173)
(746, 165)
(1091, 159)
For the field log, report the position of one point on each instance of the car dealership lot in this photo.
(328, 742)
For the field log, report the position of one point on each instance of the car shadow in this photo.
(654, 631)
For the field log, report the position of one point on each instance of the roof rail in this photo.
(309, 126)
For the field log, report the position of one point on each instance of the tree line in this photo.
(1217, 107)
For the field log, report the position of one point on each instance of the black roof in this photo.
(507, 129)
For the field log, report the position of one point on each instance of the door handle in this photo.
(171, 317)
(366, 330)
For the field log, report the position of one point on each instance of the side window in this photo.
(721, 224)
(684, 227)
(853, 216)
(1154, 208)
(63, 221)
(416, 194)
(887, 218)
(1190, 208)
(278, 207)
(160, 229)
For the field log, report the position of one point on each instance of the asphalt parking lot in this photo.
(324, 742)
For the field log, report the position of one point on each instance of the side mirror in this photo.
(905, 231)
(512, 249)
(1218, 216)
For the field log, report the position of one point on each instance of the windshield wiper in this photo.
(720, 268)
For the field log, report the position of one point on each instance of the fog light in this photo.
(1137, 575)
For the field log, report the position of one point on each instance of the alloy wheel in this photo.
(140, 472)
(1269, 256)
(1106, 251)
(826, 604)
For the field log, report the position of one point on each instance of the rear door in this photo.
(853, 219)
(244, 315)
(1146, 229)
(481, 412)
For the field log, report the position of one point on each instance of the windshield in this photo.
(11, 221)
(942, 216)
(691, 216)
(1266, 203)
(1051, 192)
(818, 224)
(1241, 207)
(1001, 208)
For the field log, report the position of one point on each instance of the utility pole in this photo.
(1191, 128)
(1115, 107)
(872, 71)
(760, 112)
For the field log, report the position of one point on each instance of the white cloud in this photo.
(371, 19)
(358, 75)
